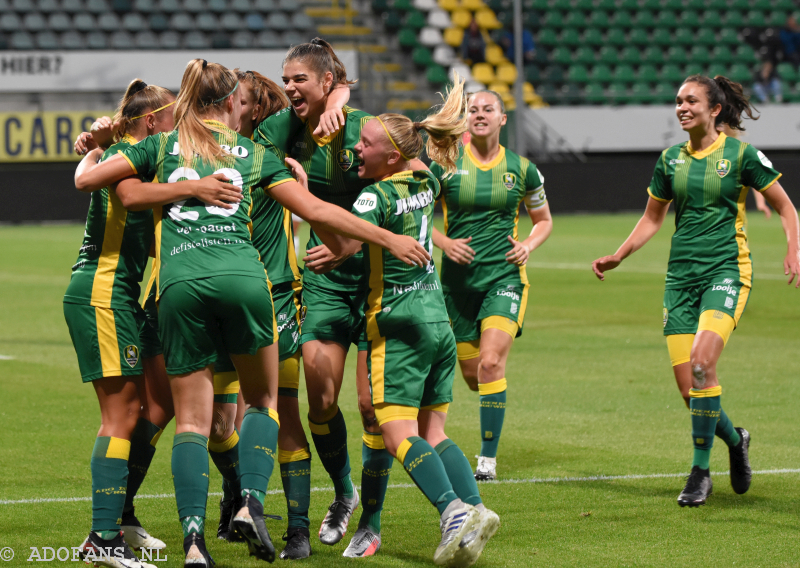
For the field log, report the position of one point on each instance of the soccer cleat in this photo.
(698, 488)
(136, 537)
(364, 543)
(471, 546)
(297, 544)
(458, 520)
(250, 522)
(226, 530)
(197, 556)
(741, 473)
(487, 469)
(334, 525)
(111, 553)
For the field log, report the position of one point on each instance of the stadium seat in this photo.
(608, 55)
(594, 94)
(72, 40)
(654, 55)
(740, 73)
(624, 74)
(220, 40)
(430, 37)
(700, 55)
(292, 37)
(723, 55)
(208, 22)
(746, 54)
(553, 19)
(303, 22)
(277, 21)
(462, 69)
(734, 19)
(650, 4)
(233, 22)
(242, 40)
(22, 40)
(444, 55)
(506, 73)
(422, 57)
(242, 6)
(574, 19)
(616, 37)
(393, 21)
(168, 6)
(84, 22)
(121, 40)
(671, 73)
(483, 73)
(448, 5)
(715, 70)
(158, 22)
(694, 69)
(599, 19)
(584, 55)
(561, 55)
(145, 40)
(253, 21)
(46, 40)
(133, 22)
(23, 7)
(194, 6)
(403, 5)
(592, 37)
(425, 5)
(686, 37)
(630, 55)
(487, 20)
(570, 38)
(218, 6)
(677, 54)
(286, 5)
(472, 5)
(664, 93)
(58, 22)
(181, 22)
(45, 7)
(578, 74)
(630, 5)
(196, 40)
(97, 6)
(439, 19)
(553, 74)
(644, 19)
(755, 18)
(618, 93)
(98, 40)
(661, 37)
(169, 40)
(415, 19)
(408, 38)
(638, 37)
(666, 19)
(108, 22)
(72, 6)
(547, 37)
(728, 36)
(787, 72)
(600, 74)
(268, 39)
(532, 73)
(622, 19)
(647, 74)
(436, 75)
(571, 94)
(494, 54)
(461, 18)
(453, 37)
(34, 22)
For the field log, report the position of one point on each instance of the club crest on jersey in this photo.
(723, 167)
(345, 159)
(509, 180)
(131, 353)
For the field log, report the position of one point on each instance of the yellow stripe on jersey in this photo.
(375, 289)
(658, 198)
(744, 294)
(292, 253)
(270, 186)
(103, 284)
(501, 155)
(443, 201)
(770, 184)
(377, 360)
(157, 218)
(107, 342)
(150, 282)
(699, 155)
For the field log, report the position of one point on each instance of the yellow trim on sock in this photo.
(118, 448)
(466, 350)
(710, 392)
(226, 383)
(155, 439)
(719, 322)
(492, 388)
(387, 412)
(402, 450)
(319, 429)
(225, 445)
(289, 372)
(502, 323)
(444, 407)
(680, 348)
(274, 415)
(373, 441)
(285, 456)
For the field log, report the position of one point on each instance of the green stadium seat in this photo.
(622, 19)
(695, 5)
(664, 93)
(755, 18)
(616, 37)
(561, 55)
(422, 57)
(694, 68)
(631, 55)
(584, 55)
(578, 74)
(541, 56)
(548, 92)
(618, 93)
(777, 18)
(684, 36)
(608, 55)
(711, 19)
(571, 94)
(639, 37)
(592, 36)
(722, 55)
(547, 36)
(740, 73)
(733, 19)
(598, 19)
(564, 5)
(746, 54)
(689, 19)
(647, 74)
(741, 5)
(575, 19)
(787, 5)
(392, 20)
(437, 75)
(583, 5)
(644, 19)
(553, 19)
(601, 74)
(624, 74)
(705, 36)
(532, 74)
(594, 94)
(570, 37)
(403, 5)
(787, 72)
(700, 54)
(667, 19)
(677, 54)
(715, 70)
(728, 36)
(641, 94)
(662, 37)
(674, 5)
(671, 73)
(650, 4)
(529, 19)
(720, 5)
(608, 5)
(416, 19)
(654, 55)
(553, 74)
(630, 5)
(407, 38)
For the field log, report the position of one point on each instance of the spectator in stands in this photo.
(473, 47)
(790, 38)
(528, 46)
(767, 83)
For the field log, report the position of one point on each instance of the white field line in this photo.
(6, 357)
(587, 267)
(409, 485)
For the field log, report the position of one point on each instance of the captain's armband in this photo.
(535, 199)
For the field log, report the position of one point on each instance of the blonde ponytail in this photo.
(139, 99)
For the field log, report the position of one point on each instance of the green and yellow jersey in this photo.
(482, 201)
(195, 240)
(332, 169)
(400, 295)
(709, 190)
(114, 252)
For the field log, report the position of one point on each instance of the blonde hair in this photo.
(318, 54)
(139, 99)
(266, 92)
(203, 87)
(444, 129)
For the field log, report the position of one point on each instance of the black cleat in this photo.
(698, 488)
(297, 544)
(227, 530)
(741, 473)
(111, 553)
(197, 556)
(250, 522)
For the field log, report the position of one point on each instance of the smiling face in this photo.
(485, 116)
(305, 88)
(374, 152)
(691, 107)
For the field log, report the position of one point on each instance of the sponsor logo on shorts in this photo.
(722, 288)
(514, 308)
(728, 281)
(509, 294)
(131, 353)
(723, 167)
(666, 317)
(365, 202)
(425, 286)
(414, 202)
(509, 180)
(729, 302)
(345, 159)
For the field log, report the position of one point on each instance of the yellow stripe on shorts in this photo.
(226, 383)
(502, 323)
(443, 407)
(107, 341)
(680, 348)
(466, 350)
(719, 322)
(387, 412)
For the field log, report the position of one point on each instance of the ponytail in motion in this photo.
(320, 57)
(266, 93)
(722, 91)
(139, 99)
(204, 87)
(444, 129)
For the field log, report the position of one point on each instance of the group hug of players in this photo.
(207, 183)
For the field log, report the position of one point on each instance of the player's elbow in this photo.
(82, 184)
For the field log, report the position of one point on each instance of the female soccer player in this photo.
(103, 315)
(333, 301)
(484, 279)
(709, 275)
(212, 287)
(412, 351)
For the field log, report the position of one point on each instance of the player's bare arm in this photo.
(776, 196)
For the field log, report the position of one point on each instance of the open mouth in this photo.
(298, 103)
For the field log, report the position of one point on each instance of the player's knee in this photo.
(491, 366)
(222, 423)
(701, 369)
(368, 418)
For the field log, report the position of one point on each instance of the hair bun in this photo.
(417, 126)
(137, 86)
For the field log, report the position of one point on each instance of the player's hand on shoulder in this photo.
(330, 122)
(217, 190)
(320, 259)
(297, 171)
(604, 264)
(84, 143)
(518, 254)
(103, 130)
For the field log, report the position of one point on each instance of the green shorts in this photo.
(148, 331)
(198, 318)
(414, 367)
(467, 309)
(106, 340)
(333, 315)
(289, 316)
(683, 306)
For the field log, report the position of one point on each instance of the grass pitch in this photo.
(591, 393)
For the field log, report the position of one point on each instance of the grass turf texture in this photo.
(591, 392)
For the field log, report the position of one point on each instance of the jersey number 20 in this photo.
(188, 173)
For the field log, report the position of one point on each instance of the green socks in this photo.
(225, 456)
(143, 448)
(257, 450)
(193, 524)
(705, 407)
(377, 465)
(109, 466)
(493, 413)
(425, 467)
(330, 440)
(726, 431)
(190, 474)
(459, 472)
(296, 479)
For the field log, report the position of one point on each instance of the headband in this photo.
(153, 111)
(236, 86)
(392, 139)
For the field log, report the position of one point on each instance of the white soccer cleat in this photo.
(364, 543)
(113, 553)
(458, 520)
(138, 538)
(334, 525)
(472, 544)
(487, 469)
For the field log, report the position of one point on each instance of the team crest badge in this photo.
(509, 180)
(345, 159)
(131, 355)
(723, 167)
(666, 317)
